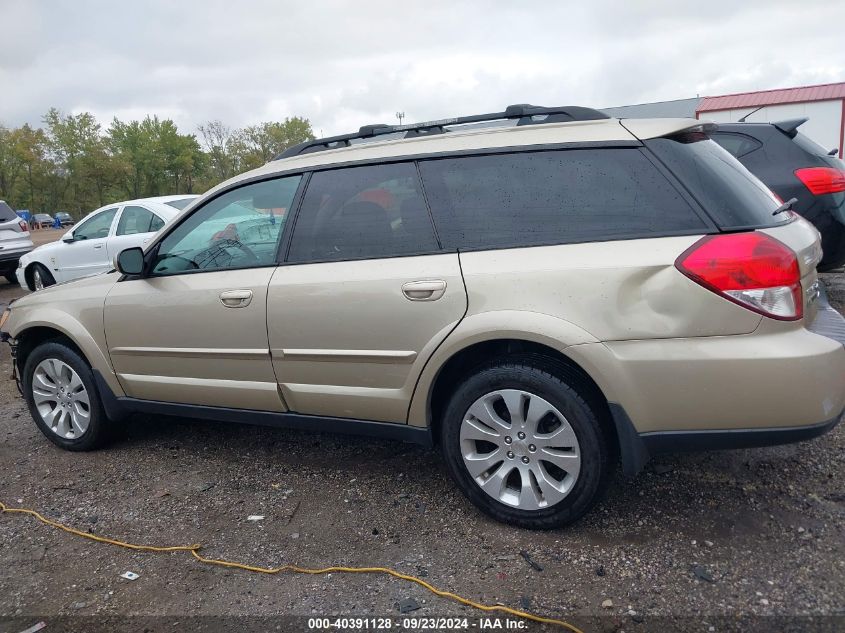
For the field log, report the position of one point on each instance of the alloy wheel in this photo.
(520, 449)
(61, 398)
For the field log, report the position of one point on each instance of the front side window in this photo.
(366, 212)
(138, 220)
(239, 229)
(552, 197)
(96, 226)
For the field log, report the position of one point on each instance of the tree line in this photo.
(72, 164)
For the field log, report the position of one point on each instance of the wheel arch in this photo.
(59, 326)
(469, 358)
(29, 271)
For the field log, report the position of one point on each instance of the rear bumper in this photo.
(724, 392)
(9, 258)
(638, 448)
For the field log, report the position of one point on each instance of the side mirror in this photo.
(67, 237)
(130, 261)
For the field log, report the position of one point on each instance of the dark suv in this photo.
(794, 166)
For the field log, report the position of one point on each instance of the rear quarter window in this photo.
(731, 195)
(550, 197)
(737, 145)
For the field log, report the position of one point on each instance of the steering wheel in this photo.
(190, 262)
(220, 246)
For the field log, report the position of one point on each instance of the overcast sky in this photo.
(346, 64)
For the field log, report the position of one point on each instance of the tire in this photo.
(11, 277)
(54, 363)
(566, 493)
(39, 271)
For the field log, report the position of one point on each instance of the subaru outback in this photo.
(542, 292)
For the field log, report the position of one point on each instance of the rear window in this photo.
(180, 204)
(809, 145)
(552, 197)
(731, 194)
(6, 212)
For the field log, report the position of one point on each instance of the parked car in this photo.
(14, 241)
(65, 218)
(89, 247)
(539, 299)
(42, 220)
(794, 166)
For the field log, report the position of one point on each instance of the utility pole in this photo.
(400, 116)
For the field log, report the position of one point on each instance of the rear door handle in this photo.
(429, 290)
(98, 246)
(236, 298)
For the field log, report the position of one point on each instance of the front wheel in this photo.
(63, 399)
(41, 277)
(11, 277)
(525, 446)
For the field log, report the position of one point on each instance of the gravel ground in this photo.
(695, 542)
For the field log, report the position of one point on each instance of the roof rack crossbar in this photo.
(524, 112)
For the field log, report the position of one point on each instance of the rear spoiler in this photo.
(790, 126)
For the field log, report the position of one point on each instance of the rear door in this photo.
(364, 297)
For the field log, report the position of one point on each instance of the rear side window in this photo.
(6, 212)
(137, 220)
(736, 144)
(731, 194)
(552, 197)
(362, 213)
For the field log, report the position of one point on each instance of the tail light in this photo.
(821, 180)
(751, 269)
(23, 226)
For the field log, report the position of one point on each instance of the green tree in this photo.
(256, 145)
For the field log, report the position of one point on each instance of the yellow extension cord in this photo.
(194, 550)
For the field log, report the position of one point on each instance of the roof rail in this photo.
(524, 112)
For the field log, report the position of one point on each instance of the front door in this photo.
(87, 253)
(194, 330)
(365, 296)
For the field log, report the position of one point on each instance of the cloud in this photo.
(346, 64)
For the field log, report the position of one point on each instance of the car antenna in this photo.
(742, 120)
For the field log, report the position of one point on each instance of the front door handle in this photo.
(429, 290)
(98, 246)
(236, 298)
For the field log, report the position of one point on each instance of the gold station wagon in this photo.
(542, 292)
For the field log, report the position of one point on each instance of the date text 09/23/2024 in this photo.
(417, 624)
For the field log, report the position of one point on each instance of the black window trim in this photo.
(306, 173)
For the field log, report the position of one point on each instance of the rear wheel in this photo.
(525, 446)
(11, 277)
(41, 277)
(59, 388)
